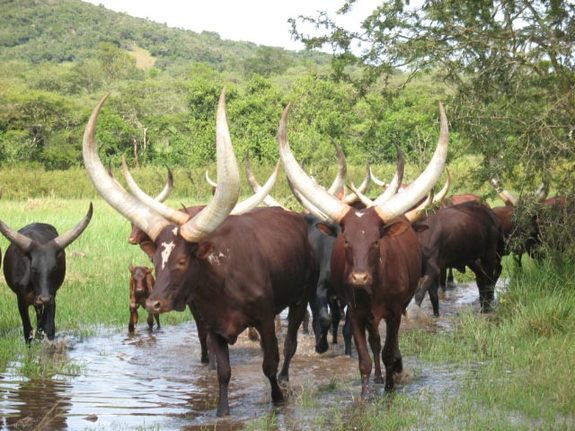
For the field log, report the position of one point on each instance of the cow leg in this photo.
(220, 348)
(346, 332)
(443, 278)
(358, 330)
(150, 321)
(133, 319)
(23, 309)
(157, 317)
(306, 322)
(271, 360)
(295, 317)
(202, 335)
(450, 279)
(391, 355)
(46, 315)
(375, 344)
(434, 298)
(321, 321)
(335, 310)
(485, 285)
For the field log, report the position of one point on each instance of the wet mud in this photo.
(156, 381)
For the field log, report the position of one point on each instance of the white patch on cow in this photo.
(168, 247)
(363, 232)
(175, 231)
(359, 214)
(216, 258)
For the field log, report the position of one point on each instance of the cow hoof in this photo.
(435, 314)
(321, 347)
(283, 378)
(389, 386)
(223, 411)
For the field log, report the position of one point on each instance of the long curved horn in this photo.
(339, 181)
(440, 195)
(361, 188)
(174, 216)
(21, 241)
(228, 188)
(210, 181)
(126, 204)
(163, 195)
(307, 204)
(392, 188)
(67, 238)
(419, 188)
(418, 212)
(259, 196)
(376, 180)
(268, 200)
(319, 197)
(359, 195)
(505, 196)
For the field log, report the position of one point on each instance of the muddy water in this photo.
(155, 380)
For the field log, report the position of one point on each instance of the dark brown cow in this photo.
(237, 270)
(376, 260)
(467, 234)
(141, 285)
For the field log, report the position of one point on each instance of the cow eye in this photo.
(375, 244)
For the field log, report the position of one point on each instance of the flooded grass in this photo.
(515, 364)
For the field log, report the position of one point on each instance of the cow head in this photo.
(177, 236)
(362, 230)
(141, 282)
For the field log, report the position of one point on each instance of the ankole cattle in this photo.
(236, 270)
(141, 285)
(468, 234)
(376, 260)
(35, 268)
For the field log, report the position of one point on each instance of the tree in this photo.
(510, 63)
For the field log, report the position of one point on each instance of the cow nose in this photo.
(43, 299)
(359, 278)
(156, 306)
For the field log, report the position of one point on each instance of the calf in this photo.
(35, 268)
(141, 285)
(467, 234)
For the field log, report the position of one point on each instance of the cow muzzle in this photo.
(43, 299)
(360, 279)
(159, 305)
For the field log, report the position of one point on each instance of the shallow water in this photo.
(155, 380)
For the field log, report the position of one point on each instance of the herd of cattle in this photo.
(237, 265)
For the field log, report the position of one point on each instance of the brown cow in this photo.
(376, 260)
(237, 270)
(141, 285)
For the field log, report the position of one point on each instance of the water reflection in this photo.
(155, 380)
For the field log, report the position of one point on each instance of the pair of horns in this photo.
(61, 241)
(152, 216)
(395, 206)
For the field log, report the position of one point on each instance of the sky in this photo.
(263, 22)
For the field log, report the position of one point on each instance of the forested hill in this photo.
(72, 30)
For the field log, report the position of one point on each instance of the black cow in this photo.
(467, 234)
(325, 296)
(35, 267)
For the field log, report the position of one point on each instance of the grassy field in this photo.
(526, 349)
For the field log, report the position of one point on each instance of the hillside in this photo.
(71, 30)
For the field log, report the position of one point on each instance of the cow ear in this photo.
(394, 229)
(204, 249)
(326, 229)
(149, 248)
(420, 227)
